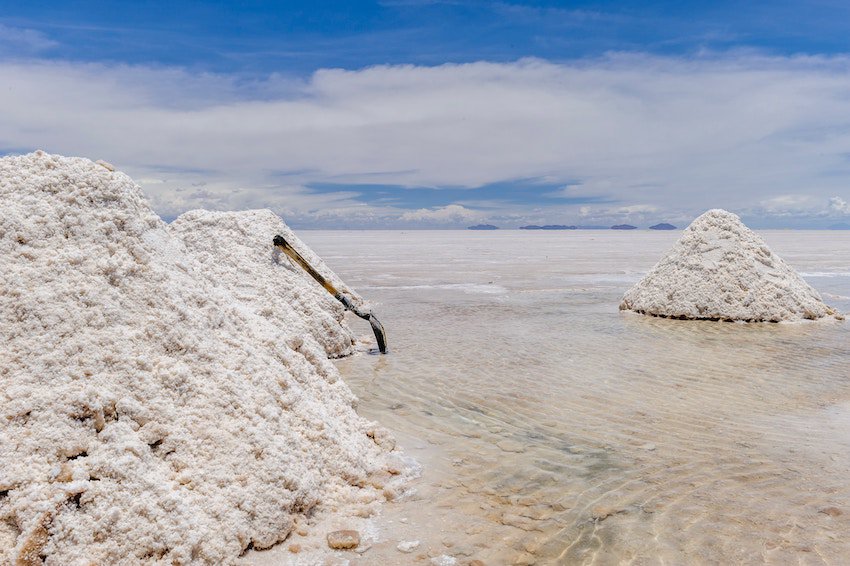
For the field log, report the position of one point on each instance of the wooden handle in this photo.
(284, 246)
(281, 244)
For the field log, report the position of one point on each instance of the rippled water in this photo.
(556, 429)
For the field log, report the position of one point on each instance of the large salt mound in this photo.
(146, 415)
(721, 270)
(235, 248)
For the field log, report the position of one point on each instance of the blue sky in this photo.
(408, 113)
(299, 37)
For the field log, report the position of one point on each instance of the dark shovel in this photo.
(281, 244)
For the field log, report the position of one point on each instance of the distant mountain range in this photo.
(661, 226)
(548, 227)
(840, 226)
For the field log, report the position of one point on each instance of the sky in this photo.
(441, 114)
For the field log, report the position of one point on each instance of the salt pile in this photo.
(148, 415)
(235, 249)
(721, 270)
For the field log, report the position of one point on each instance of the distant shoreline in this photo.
(431, 229)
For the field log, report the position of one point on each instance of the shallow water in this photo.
(557, 430)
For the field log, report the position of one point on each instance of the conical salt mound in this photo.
(721, 270)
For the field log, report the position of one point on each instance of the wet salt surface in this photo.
(555, 429)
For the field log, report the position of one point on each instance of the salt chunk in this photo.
(407, 546)
(345, 539)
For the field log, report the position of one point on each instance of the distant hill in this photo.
(623, 227)
(663, 226)
(593, 227)
(483, 227)
(840, 226)
(547, 227)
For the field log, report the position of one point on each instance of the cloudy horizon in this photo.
(616, 133)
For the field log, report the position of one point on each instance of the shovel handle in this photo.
(281, 244)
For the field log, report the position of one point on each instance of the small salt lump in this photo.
(722, 270)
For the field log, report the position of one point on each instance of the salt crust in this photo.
(146, 414)
(722, 270)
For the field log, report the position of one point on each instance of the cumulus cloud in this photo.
(789, 205)
(451, 214)
(839, 205)
(641, 214)
(666, 134)
(636, 209)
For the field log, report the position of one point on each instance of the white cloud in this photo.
(784, 202)
(23, 40)
(641, 214)
(635, 209)
(451, 214)
(839, 205)
(787, 205)
(665, 134)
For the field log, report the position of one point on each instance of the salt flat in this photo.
(556, 429)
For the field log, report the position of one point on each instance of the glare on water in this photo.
(556, 430)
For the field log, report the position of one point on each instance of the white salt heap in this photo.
(721, 270)
(146, 414)
(235, 248)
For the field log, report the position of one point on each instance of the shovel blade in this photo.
(380, 335)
